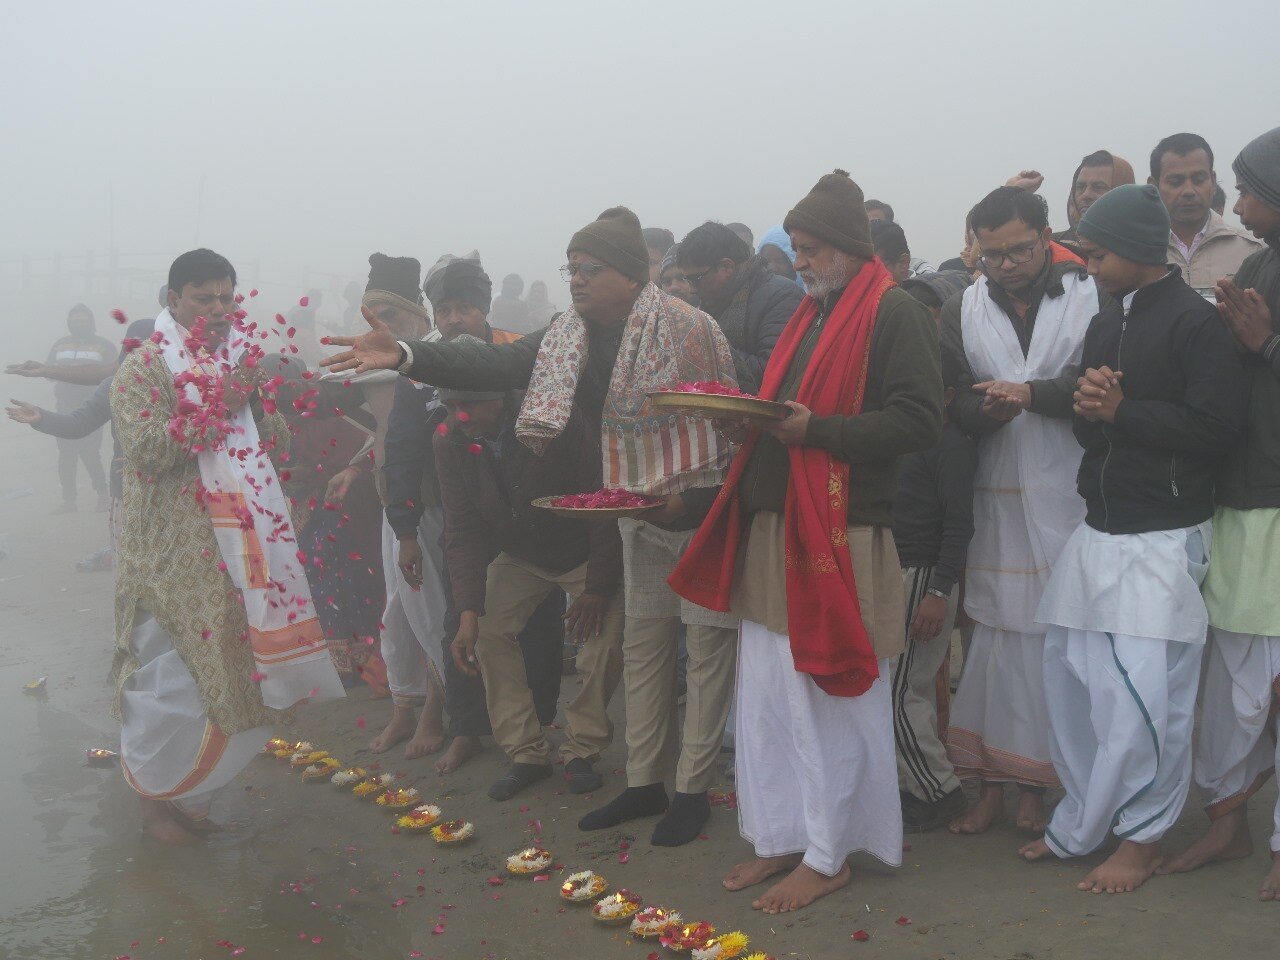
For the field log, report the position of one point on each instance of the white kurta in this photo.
(1025, 506)
(816, 774)
(413, 621)
(1121, 667)
(169, 749)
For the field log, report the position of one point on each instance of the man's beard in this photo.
(820, 284)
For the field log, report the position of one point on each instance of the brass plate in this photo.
(592, 513)
(718, 406)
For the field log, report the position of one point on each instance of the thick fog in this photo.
(298, 137)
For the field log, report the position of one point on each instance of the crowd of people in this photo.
(1064, 445)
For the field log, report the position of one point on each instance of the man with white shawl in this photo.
(621, 339)
(1016, 336)
(216, 635)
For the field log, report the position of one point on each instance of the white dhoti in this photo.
(1121, 668)
(1025, 507)
(816, 773)
(1236, 748)
(999, 729)
(413, 621)
(169, 749)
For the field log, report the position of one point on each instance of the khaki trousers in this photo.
(514, 590)
(649, 668)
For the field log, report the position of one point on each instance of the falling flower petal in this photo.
(861, 936)
(437, 929)
(903, 921)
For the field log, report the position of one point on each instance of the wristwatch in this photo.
(408, 357)
(935, 592)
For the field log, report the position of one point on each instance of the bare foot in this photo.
(400, 727)
(460, 751)
(428, 736)
(800, 888)
(1226, 839)
(987, 811)
(196, 826)
(159, 823)
(1035, 850)
(1032, 816)
(1125, 870)
(1270, 891)
(759, 870)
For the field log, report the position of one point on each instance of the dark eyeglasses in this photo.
(1015, 255)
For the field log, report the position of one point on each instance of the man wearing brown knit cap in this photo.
(621, 339)
(799, 544)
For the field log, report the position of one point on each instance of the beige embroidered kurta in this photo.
(167, 557)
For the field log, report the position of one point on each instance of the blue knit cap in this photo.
(779, 238)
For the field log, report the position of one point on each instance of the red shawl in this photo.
(824, 619)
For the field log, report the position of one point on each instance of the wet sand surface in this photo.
(309, 871)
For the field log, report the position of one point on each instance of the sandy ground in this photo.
(310, 872)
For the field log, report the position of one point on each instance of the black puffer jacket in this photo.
(1250, 477)
(1184, 408)
(760, 305)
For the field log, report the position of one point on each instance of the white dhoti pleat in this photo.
(1122, 659)
(169, 749)
(1236, 747)
(999, 728)
(1123, 708)
(816, 773)
(413, 620)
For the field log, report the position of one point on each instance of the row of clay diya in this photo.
(414, 816)
(624, 906)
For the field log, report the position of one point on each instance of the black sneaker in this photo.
(919, 816)
(518, 777)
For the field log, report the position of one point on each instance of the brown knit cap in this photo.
(833, 212)
(614, 238)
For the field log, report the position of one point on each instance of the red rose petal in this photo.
(861, 936)
(903, 921)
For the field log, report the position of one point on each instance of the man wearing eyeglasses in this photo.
(1015, 337)
(750, 302)
(622, 338)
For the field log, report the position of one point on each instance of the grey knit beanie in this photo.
(1130, 221)
(1258, 167)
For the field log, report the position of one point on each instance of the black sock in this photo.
(631, 803)
(684, 821)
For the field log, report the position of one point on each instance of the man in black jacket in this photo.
(1236, 744)
(1162, 400)
(488, 479)
(460, 293)
(750, 302)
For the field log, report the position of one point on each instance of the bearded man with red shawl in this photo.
(799, 544)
